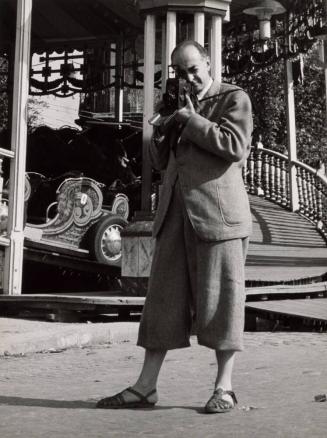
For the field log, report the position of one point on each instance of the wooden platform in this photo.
(284, 246)
(297, 313)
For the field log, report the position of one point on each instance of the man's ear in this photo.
(208, 63)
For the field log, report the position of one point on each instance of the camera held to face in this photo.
(173, 100)
(176, 90)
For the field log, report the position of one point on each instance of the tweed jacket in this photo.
(207, 158)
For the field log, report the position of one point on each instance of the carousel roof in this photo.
(55, 21)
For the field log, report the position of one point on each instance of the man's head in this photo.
(191, 62)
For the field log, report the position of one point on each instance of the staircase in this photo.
(285, 248)
(287, 258)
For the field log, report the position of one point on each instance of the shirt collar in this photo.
(204, 91)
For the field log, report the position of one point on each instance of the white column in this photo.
(14, 253)
(149, 62)
(216, 46)
(170, 35)
(164, 64)
(291, 134)
(119, 89)
(199, 22)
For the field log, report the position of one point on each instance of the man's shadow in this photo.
(76, 404)
(44, 403)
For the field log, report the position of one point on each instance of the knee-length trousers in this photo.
(193, 281)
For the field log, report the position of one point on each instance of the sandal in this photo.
(118, 402)
(217, 405)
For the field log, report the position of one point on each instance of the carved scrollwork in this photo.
(79, 205)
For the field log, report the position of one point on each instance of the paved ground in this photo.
(21, 336)
(276, 378)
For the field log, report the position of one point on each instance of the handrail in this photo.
(6, 153)
(274, 153)
(311, 170)
(266, 173)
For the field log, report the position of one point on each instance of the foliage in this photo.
(35, 109)
(311, 113)
(267, 91)
(3, 94)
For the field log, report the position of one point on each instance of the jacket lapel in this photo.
(206, 104)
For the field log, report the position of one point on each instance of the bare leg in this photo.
(225, 361)
(223, 399)
(148, 377)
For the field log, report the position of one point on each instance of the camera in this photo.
(176, 90)
(173, 100)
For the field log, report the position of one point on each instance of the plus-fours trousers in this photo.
(193, 282)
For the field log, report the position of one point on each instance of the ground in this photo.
(276, 379)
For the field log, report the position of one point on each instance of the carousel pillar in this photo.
(14, 253)
(149, 62)
(291, 134)
(119, 87)
(215, 40)
(164, 65)
(199, 22)
(137, 242)
(216, 46)
(169, 43)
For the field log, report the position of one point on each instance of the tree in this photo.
(266, 89)
(35, 104)
(3, 93)
(35, 107)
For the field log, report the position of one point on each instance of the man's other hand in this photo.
(182, 115)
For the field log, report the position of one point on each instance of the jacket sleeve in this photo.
(230, 135)
(159, 150)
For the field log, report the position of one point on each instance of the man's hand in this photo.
(182, 115)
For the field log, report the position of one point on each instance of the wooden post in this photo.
(164, 64)
(216, 46)
(149, 61)
(170, 37)
(137, 241)
(111, 106)
(199, 21)
(14, 253)
(291, 134)
(119, 89)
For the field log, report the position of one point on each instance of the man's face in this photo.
(189, 64)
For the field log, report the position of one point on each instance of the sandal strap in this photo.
(143, 398)
(221, 391)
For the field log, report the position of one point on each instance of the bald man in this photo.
(201, 232)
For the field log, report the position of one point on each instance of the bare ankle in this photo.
(145, 386)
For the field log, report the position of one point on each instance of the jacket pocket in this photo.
(233, 204)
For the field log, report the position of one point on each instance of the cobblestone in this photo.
(276, 379)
